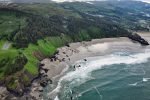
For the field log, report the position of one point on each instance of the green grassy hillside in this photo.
(31, 32)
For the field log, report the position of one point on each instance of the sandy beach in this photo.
(68, 55)
(58, 65)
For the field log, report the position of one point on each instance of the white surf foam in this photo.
(143, 80)
(56, 98)
(134, 84)
(146, 79)
(84, 73)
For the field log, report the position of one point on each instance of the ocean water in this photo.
(121, 75)
(117, 76)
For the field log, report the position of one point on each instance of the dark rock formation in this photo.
(67, 45)
(85, 59)
(45, 70)
(138, 38)
(45, 82)
(56, 53)
(18, 91)
(41, 65)
(40, 90)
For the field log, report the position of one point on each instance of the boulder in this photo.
(85, 59)
(45, 81)
(67, 45)
(43, 84)
(41, 65)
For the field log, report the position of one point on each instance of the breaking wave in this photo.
(83, 73)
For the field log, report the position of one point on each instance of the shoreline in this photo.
(83, 50)
(52, 69)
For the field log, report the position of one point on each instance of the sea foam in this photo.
(83, 73)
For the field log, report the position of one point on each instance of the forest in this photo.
(31, 32)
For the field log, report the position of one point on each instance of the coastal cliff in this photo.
(30, 33)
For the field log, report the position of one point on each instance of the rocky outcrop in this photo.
(138, 38)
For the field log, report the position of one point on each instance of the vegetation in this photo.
(31, 32)
(44, 48)
(131, 15)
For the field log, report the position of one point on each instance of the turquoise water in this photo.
(115, 82)
(119, 76)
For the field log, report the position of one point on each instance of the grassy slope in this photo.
(45, 46)
(7, 58)
(9, 23)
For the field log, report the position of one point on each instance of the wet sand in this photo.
(67, 56)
